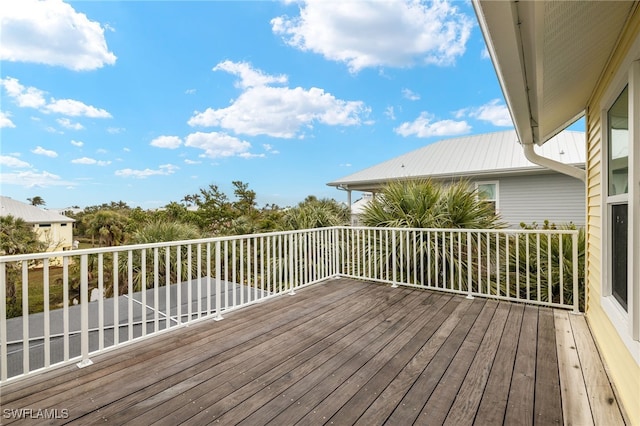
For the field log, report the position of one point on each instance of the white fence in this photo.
(64, 307)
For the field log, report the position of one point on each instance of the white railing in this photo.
(64, 307)
(532, 266)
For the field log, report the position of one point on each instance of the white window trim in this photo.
(491, 182)
(626, 322)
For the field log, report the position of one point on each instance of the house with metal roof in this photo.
(495, 164)
(54, 229)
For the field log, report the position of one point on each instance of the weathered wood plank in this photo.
(575, 402)
(409, 407)
(548, 406)
(604, 407)
(217, 396)
(494, 399)
(357, 371)
(227, 364)
(40, 386)
(437, 407)
(420, 350)
(291, 387)
(520, 404)
(465, 406)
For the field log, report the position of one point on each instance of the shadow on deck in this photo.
(341, 352)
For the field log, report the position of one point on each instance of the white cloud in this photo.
(53, 33)
(25, 97)
(75, 108)
(68, 124)
(484, 53)
(5, 121)
(90, 161)
(190, 91)
(278, 111)
(169, 142)
(217, 145)
(46, 152)
(187, 161)
(77, 143)
(101, 151)
(163, 170)
(30, 179)
(13, 162)
(495, 112)
(115, 130)
(408, 94)
(390, 113)
(249, 77)
(425, 127)
(31, 97)
(370, 34)
(269, 148)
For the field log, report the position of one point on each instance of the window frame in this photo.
(626, 321)
(497, 192)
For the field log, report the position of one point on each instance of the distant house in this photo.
(494, 163)
(54, 229)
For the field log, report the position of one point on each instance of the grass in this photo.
(36, 292)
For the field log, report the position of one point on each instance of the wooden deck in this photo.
(339, 353)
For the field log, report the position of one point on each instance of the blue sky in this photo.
(148, 101)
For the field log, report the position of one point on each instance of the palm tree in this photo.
(36, 201)
(426, 204)
(16, 237)
(108, 225)
(314, 213)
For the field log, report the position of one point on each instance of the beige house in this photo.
(55, 230)
(558, 61)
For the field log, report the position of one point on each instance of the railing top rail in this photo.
(80, 252)
(466, 230)
(126, 247)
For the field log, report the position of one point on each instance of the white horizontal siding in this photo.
(557, 198)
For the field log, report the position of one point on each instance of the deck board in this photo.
(341, 352)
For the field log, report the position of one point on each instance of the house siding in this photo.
(558, 198)
(623, 369)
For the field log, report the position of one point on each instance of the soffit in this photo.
(549, 56)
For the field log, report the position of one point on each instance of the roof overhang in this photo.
(549, 57)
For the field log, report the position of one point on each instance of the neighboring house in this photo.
(494, 163)
(54, 229)
(557, 61)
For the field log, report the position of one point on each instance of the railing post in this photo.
(394, 266)
(218, 316)
(576, 290)
(469, 274)
(3, 321)
(84, 312)
(291, 279)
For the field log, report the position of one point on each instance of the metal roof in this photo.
(549, 57)
(29, 213)
(477, 155)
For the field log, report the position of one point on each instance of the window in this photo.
(618, 145)
(620, 275)
(618, 187)
(488, 191)
(45, 225)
